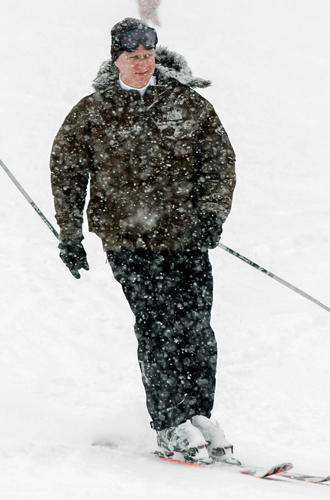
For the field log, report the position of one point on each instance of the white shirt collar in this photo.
(152, 82)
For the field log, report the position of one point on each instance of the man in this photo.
(161, 172)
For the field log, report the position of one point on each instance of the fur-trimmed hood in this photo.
(169, 65)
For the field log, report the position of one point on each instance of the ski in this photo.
(177, 458)
(259, 472)
(281, 471)
(306, 478)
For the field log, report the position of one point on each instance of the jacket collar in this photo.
(169, 66)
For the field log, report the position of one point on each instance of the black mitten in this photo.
(208, 231)
(73, 255)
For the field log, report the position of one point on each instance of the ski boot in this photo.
(185, 440)
(218, 447)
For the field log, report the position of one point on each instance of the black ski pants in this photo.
(170, 294)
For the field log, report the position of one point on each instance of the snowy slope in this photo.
(68, 360)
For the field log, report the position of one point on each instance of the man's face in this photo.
(136, 68)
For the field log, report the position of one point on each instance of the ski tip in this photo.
(278, 469)
(325, 480)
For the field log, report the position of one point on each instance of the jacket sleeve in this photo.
(216, 167)
(69, 164)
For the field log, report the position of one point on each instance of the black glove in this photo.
(208, 231)
(74, 256)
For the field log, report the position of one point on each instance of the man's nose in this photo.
(142, 60)
(142, 63)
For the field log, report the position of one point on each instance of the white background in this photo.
(68, 353)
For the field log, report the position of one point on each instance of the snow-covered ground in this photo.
(68, 352)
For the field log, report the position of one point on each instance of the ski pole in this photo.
(33, 205)
(271, 275)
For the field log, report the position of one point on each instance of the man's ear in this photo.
(115, 63)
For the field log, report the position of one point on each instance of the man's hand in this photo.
(208, 231)
(74, 256)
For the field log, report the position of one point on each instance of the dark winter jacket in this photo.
(154, 163)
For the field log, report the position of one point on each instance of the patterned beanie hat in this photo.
(128, 24)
